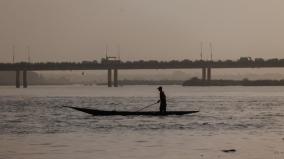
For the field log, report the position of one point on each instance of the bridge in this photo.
(111, 64)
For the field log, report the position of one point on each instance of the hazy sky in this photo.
(75, 30)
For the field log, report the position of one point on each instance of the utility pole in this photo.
(28, 52)
(118, 52)
(13, 53)
(211, 51)
(201, 51)
(106, 52)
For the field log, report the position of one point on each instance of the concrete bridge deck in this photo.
(126, 66)
(114, 66)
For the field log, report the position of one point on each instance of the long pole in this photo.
(147, 106)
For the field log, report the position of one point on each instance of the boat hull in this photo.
(96, 112)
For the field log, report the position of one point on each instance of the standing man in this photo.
(162, 101)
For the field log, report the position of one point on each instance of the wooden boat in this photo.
(127, 113)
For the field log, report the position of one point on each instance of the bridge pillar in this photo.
(25, 79)
(109, 83)
(18, 84)
(115, 78)
(203, 73)
(209, 73)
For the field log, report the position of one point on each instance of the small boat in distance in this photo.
(96, 112)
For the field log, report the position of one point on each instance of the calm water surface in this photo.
(33, 123)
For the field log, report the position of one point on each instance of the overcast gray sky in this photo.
(75, 30)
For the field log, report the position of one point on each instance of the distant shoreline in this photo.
(244, 82)
(147, 82)
(191, 82)
(199, 82)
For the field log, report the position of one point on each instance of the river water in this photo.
(34, 125)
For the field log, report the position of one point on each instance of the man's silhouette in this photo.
(162, 101)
